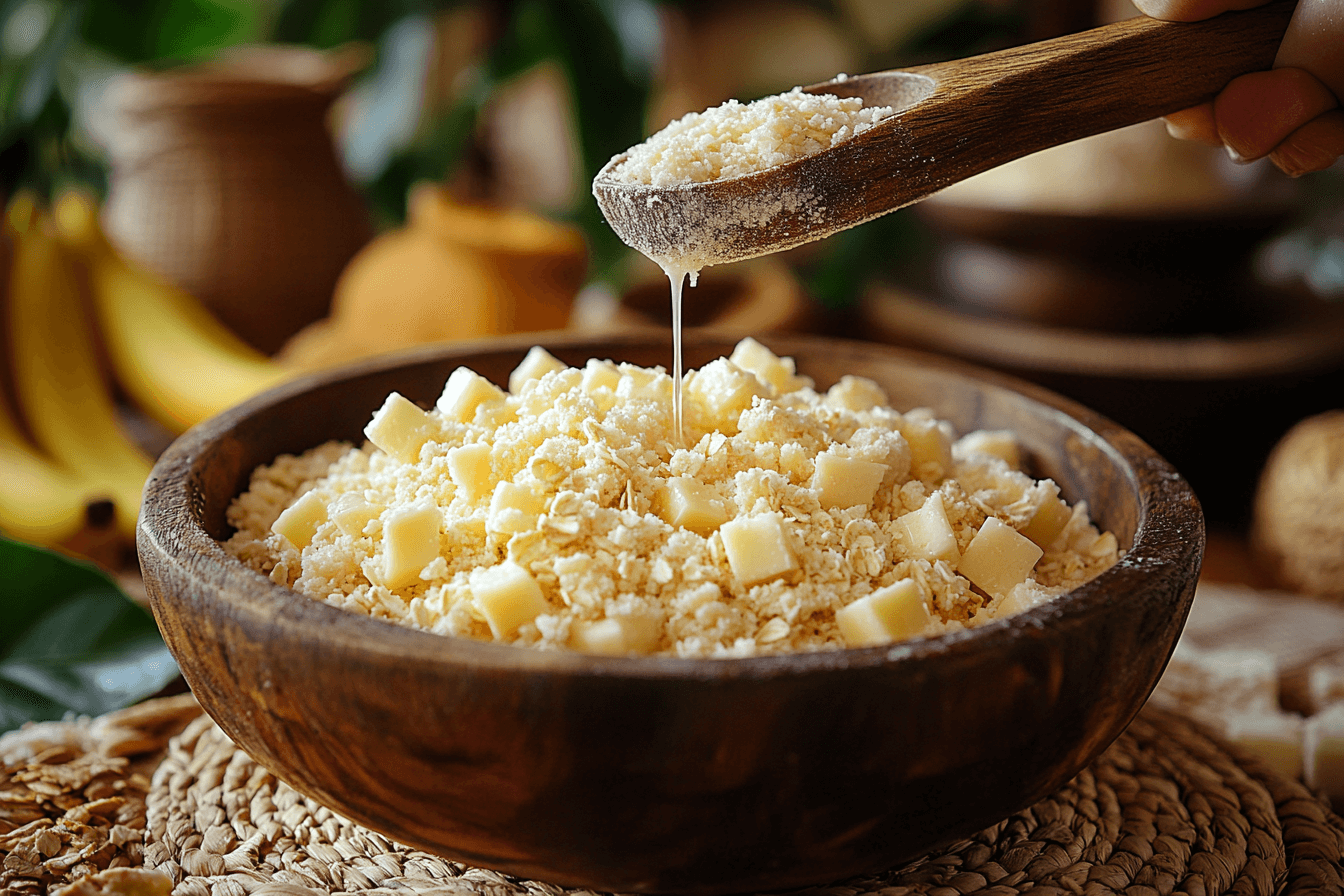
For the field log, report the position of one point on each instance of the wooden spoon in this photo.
(954, 119)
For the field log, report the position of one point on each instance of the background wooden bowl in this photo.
(664, 774)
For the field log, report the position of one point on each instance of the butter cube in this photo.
(534, 366)
(1323, 748)
(351, 513)
(893, 613)
(1016, 602)
(927, 533)
(465, 391)
(724, 390)
(998, 558)
(399, 428)
(410, 542)
(757, 548)
(1276, 737)
(600, 375)
(856, 393)
(514, 508)
(1049, 520)
(690, 504)
(508, 597)
(644, 384)
(998, 443)
(614, 636)
(469, 468)
(779, 373)
(930, 443)
(298, 522)
(846, 481)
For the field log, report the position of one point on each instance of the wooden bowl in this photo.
(665, 774)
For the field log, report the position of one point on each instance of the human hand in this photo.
(1291, 113)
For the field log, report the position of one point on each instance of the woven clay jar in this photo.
(225, 180)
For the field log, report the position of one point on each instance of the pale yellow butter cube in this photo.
(508, 597)
(930, 443)
(856, 393)
(1049, 519)
(758, 548)
(889, 614)
(998, 443)
(298, 522)
(614, 636)
(1276, 737)
(351, 512)
(927, 534)
(690, 504)
(846, 481)
(465, 391)
(998, 558)
(399, 428)
(780, 373)
(537, 363)
(410, 542)
(1323, 748)
(469, 468)
(1016, 602)
(644, 384)
(724, 390)
(514, 508)
(600, 375)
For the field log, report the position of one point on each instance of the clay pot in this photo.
(224, 180)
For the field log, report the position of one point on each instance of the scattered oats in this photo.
(613, 540)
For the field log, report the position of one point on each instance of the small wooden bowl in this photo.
(664, 774)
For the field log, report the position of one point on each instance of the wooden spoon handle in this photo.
(987, 110)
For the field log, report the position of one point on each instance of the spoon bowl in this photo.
(951, 120)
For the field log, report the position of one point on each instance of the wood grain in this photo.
(954, 119)
(661, 774)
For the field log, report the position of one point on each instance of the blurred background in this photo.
(332, 179)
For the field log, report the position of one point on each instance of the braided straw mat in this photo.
(1166, 809)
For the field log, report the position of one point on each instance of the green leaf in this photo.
(169, 30)
(72, 640)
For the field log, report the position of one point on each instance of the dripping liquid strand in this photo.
(676, 276)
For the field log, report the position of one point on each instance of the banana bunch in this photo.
(173, 358)
(71, 307)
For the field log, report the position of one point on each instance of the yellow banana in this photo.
(41, 501)
(176, 361)
(58, 382)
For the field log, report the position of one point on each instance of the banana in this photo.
(176, 361)
(41, 501)
(58, 382)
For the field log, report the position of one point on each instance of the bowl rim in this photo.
(1169, 526)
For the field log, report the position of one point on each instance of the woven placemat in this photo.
(1167, 809)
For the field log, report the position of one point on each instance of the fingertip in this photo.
(1256, 112)
(1196, 123)
(1191, 10)
(1315, 146)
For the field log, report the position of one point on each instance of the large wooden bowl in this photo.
(663, 774)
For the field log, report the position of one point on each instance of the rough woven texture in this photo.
(1167, 809)
(72, 795)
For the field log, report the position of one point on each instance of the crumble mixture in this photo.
(563, 514)
(735, 138)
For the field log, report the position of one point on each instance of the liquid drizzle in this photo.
(676, 276)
